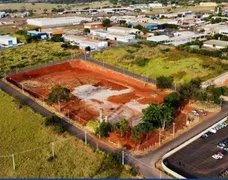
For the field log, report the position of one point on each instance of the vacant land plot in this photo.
(195, 160)
(39, 7)
(33, 54)
(93, 87)
(154, 61)
(21, 129)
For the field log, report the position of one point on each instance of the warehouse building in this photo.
(61, 21)
(83, 42)
(8, 41)
(120, 34)
(123, 30)
(216, 44)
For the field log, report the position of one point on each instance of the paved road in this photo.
(146, 164)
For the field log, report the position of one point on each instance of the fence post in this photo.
(53, 149)
(85, 137)
(122, 157)
(14, 166)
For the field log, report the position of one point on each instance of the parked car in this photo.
(213, 130)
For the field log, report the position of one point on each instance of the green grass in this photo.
(33, 54)
(162, 60)
(22, 129)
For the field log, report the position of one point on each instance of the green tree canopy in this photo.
(58, 93)
(106, 22)
(122, 127)
(104, 129)
(164, 82)
(86, 30)
(172, 99)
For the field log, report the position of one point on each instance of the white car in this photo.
(216, 156)
(213, 130)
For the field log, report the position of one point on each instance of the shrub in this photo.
(164, 82)
(52, 120)
(133, 172)
(59, 129)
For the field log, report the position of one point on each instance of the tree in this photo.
(52, 120)
(88, 49)
(156, 116)
(172, 99)
(57, 94)
(137, 132)
(164, 82)
(122, 127)
(86, 30)
(122, 22)
(189, 90)
(106, 23)
(45, 11)
(104, 129)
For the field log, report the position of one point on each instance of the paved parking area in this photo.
(195, 160)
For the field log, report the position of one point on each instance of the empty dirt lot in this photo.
(195, 159)
(92, 87)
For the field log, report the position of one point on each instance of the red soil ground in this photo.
(76, 73)
(226, 82)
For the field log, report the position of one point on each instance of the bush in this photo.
(140, 61)
(52, 120)
(59, 129)
(133, 172)
(164, 82)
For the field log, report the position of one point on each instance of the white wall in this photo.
(5, 40)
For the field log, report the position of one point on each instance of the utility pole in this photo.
(173, 129)
(53, 149)
(122, 157)
(14, 166)
(85, 137)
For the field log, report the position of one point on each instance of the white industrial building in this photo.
(120, 34)
(155, 5)
(61, 21)
(158, 39)
(178, 38)
(139, 6)
(121, 37)
(8, 40)
(216, 44)
(216, 28)
(123, 30)
(83, 42)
